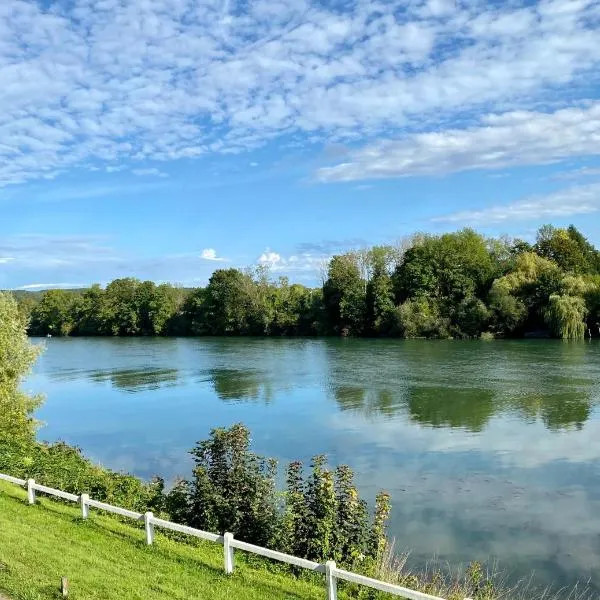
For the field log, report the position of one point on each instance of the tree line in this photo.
(460, 284)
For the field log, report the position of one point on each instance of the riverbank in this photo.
(106, 559)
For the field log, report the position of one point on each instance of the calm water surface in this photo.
(490, 449)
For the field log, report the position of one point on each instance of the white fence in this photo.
(332, 573)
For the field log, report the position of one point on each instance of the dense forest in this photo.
(452, 285)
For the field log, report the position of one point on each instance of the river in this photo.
(490, 449)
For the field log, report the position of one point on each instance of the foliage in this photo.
(344, 295)
(446, 269)
(55, 313)
(565, 316)
(17, 356)
(380, 294)
(232, 490)
(319, 517)
(569, 249)
(421, 318)
(457, 284)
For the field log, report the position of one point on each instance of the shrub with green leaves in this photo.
(320, 516)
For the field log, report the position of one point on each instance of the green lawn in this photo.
(105, 559)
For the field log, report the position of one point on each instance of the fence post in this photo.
(330, 580)
(30, 491)
(149, 528)
(228, 549)
(85, 507)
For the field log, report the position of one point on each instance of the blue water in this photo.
(490, 449)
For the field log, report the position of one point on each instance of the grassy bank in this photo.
(105, 560)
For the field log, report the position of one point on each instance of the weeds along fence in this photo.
(230, 544)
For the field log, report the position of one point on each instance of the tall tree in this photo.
(17, 355)
(55, 313)
(121, 306)
(344, 295)
(226, 303)
(445, 268)
(568, 248)
(91, 314)
(380, 293)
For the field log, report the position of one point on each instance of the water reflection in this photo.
(470, 408)
(239, 384)
(136, 380)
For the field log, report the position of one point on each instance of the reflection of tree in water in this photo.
(469, 408)
(137, 380)
(240, 384)
(558, 411)
(371, 402)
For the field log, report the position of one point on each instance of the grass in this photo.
(106, 559)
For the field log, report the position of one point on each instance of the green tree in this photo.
(446, 269)
(54, 314)
(421, 318)
(344, 295)
(471, 317)
(568, 248)
(226, 303)
(121, 306)
(565, 316)
(518, 300)
(233, 489)
(17, 356)
(380, 293)
(91, 314)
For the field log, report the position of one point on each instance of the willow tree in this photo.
(565, 316)
(17, 355)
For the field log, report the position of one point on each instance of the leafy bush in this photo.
(232, 490)
(320, 516)
(421, 318)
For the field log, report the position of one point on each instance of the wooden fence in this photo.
(229, 543)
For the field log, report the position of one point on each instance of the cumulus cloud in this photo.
(578, 200)
(269, 258)
(112, 81)
(498, 141)
(210, 254)
(303, 265)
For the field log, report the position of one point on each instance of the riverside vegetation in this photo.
(318, 516)
(453, 285)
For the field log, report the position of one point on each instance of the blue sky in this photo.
(165, 138)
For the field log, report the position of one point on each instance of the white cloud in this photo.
(303, 265)
(6, 259)
(576, 200)
(271, 259)
(498, 141)
(107, 81)
(153, 172)
(210, 254)
(54, 286)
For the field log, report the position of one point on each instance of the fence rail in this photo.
(229, 543)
